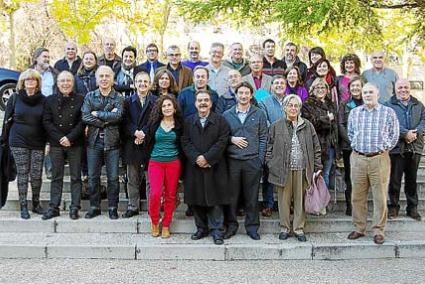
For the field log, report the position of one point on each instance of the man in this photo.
(109, 57)
(291, 59)
(194, 49)
(137, 109)
(259, 81)
(246, 152)
(63, 124)
(373, 131)
(237, 61)
(152, 63)
(102, 111)
(71, 62)
(271, 65)
(124, 78)
(228, 100)
(186, 98)
(218, 73)
(405, 156)
(273, 108)
(204, 141)
(381, 76)
(48, 73)
(181, 74)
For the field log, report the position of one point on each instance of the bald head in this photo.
(70, 50)
(402, 89)
(370, 95)
(109, 46)
(377, 58)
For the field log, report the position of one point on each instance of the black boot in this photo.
(36, 207)
(24, 211)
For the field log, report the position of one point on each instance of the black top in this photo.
(27, 129)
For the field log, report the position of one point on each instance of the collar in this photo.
(377, 107)
(111, 94)
(242, 112)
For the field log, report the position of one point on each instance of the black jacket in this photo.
(206, 187)
(136, 118)
(62, 65)
(106, 120)
(62, 117)
(343, 113)
(301, 66)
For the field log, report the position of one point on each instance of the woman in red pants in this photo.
(163, 144)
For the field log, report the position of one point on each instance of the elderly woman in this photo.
(355, 90)
(27, 137)
(350, 68)
(293, 156)
(164, 83)
(321, 112)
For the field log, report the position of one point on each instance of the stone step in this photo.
(329, 246)
(333, 222)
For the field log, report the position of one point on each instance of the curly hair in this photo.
(156, 114)
(351, 57)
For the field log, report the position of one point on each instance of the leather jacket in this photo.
(107, 120)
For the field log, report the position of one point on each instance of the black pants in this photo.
(407, 164)
(58, 156)
(347, 176)
(208, 219)
(244, 178)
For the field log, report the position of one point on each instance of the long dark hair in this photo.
(156, 114)
(173, 89)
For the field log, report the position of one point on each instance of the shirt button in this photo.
(60, 125)
(60, 115)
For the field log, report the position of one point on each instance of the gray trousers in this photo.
(135, 173)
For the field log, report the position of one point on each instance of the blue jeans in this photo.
(327, 167)
(268, 201)
(95, 157)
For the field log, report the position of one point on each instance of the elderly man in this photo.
(246, 152)
(373, 130)
(236, 60)
(405, 156)
(271, 65)
(186, 98)
(109, 57)
(181, 74)
(102, 112)
(381, 76)
(204, 142)
(71, 62)
(63, 124)
(194, 49)
(228, 100)
(218, 73)
(291, 59)
(152, 63)
(259, 81)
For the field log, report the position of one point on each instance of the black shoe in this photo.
(301, 237)
(24, 212)
(36, 208)
(414, 215)
(348, 211)
(189, 212)
(49, 175)
(254, 235)
(51, 213)
(130, 213)
(92, 213)
(218, 240)
(199, 235)
(283, 236)
(241, 213)
(113, 214)
(392, 213)
(73, 214)
(229, 233)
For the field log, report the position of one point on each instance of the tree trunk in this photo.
(12, 48)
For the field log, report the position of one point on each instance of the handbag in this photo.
(317, 196)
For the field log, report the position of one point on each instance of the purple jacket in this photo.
(299, 91)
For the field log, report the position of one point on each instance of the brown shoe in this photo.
(354, 235)
(392, 213)
(378, 239)
(414, 215)
(155, 230)
(266, 212)
(165, 233)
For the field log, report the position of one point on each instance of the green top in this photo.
(165, 148)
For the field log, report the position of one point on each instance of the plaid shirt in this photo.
(373, 131)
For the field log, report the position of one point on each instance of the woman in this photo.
(294, 83)
(350, 67)
(27, 137)
(164, 83)
(292, 156)
(324, 70)
(355, 90)
(321, 112)
(85, 80)
(162, 142)
(314, 55)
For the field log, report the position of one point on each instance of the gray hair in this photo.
(288, 98)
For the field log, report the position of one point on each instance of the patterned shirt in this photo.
(296, 156)
(372, 131)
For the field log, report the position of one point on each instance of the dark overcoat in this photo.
(206, 186)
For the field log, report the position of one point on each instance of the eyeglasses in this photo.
(174, 54)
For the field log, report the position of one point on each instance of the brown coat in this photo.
(185, 76)
(279, 150)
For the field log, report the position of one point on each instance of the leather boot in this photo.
(36, 207)
(24, 211)
(155, 230)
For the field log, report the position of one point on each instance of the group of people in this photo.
(221, 127)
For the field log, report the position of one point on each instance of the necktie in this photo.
(152, 72)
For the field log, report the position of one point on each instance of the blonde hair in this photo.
(29, 74)
(318, 81)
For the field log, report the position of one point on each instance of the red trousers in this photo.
(163, 175)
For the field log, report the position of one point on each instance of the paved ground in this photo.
(107, 271)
